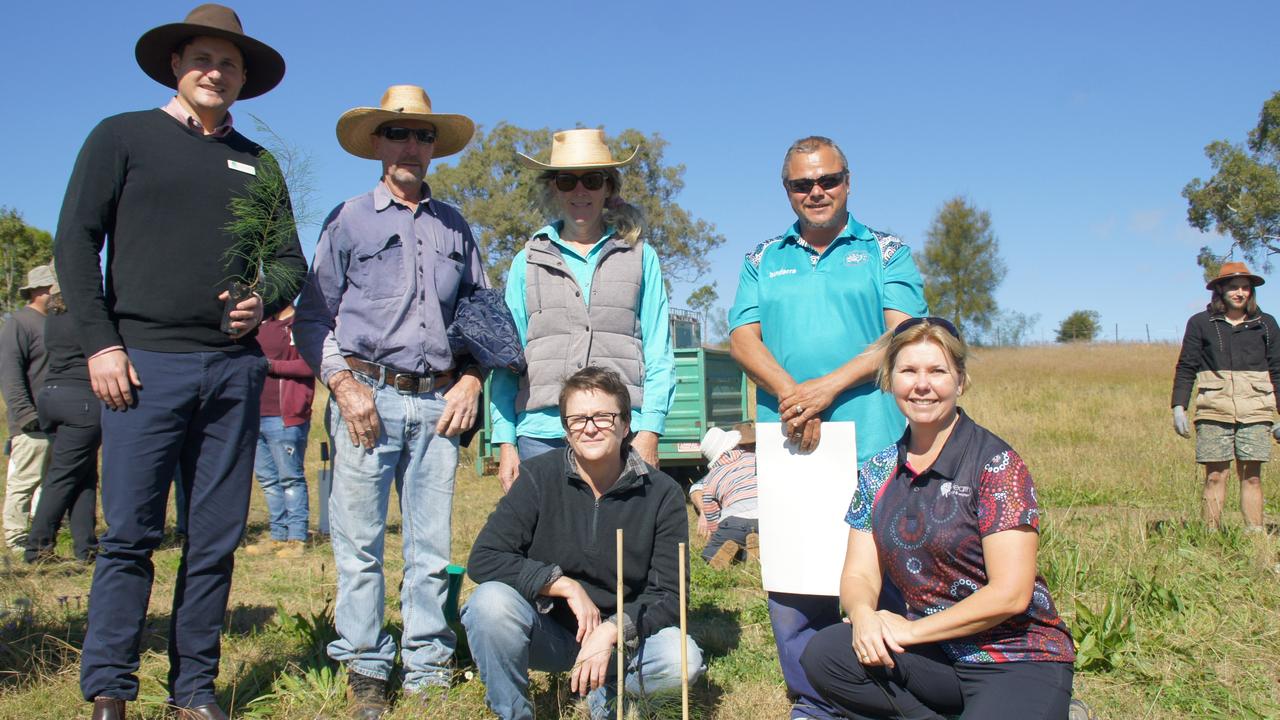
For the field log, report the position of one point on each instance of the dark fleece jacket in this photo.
(552, 519)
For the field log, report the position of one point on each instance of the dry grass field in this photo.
(1172, 623)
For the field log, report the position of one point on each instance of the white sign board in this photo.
(803, 501)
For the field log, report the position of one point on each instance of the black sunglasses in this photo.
(804, 186)
(566, 182)
(940, 322)
(425, 136)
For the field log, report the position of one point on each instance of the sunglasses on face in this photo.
(940, 322)
(804, 186)
(602, 421)
(566, 182)
(425, 136)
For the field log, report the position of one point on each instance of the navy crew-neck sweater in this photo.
(160, 192)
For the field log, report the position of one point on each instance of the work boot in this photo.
(367, 696)
(105, 708)
(291, 550)
(753, 547)
(265, 546)
(210, 711)
(725, 556)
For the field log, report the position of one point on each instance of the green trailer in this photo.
(711, 391)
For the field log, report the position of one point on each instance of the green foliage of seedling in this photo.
(1151, 595)
(1102, 636)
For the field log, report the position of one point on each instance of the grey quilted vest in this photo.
(565, 336)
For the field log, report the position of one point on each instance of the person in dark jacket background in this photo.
(545, 563)
(282, 438)
(71, 413)
(1230, 353)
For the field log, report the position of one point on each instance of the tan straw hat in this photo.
(402, 102)
(264, 67)
(1231, 270)
(38, 277)
(582, 149)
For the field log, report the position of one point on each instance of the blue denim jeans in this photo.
(531, 447)
(278, 466)
(421, 465)
(508, 637)
(796, 619)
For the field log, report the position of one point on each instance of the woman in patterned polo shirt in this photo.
(949, 515)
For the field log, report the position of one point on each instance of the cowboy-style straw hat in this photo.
(1231, 270)
(264, 67)
(581, 149)
(402, 102)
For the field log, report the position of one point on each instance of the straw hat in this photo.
(402, 102)
(1232, 270)
(582, 149)
(264, 67)
(746, 432)
(38, 277)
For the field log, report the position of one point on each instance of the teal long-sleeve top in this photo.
(659, 360)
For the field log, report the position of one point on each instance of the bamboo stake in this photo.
(621, 676)
(684, 644)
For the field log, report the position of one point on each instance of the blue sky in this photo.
(1075, 126)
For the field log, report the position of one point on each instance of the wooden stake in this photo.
(684, 644)
(621, 675)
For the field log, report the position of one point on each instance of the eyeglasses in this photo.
(602, 421)
(566, 182)
(943, 323)
(425, 136)
(804, 186)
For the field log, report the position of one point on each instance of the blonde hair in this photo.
(954, 348)
(626, 219)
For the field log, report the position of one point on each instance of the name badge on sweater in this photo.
(248, 169)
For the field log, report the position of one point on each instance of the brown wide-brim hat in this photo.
(1234, 270)
(264, 67)
(402, 102)
(581, 149)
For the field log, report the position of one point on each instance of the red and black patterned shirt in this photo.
(928, 528)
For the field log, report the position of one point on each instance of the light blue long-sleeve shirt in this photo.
(659, 360)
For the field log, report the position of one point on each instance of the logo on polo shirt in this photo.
(856, 257)
(783, 271)
(948, 489)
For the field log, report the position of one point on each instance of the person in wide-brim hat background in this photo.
(1231, 357)
(264, 67)
(578, 190)
(401, 103)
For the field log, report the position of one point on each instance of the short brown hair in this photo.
(597, 379)
(808, 146)
(954, 348)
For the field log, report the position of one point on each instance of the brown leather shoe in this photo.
(105, 708)
(201, 712)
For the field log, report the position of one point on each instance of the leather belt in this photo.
(402, 381)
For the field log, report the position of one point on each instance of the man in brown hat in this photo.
(181, 395)
(389, 267)
(22, 366)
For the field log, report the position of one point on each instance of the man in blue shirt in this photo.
(389, 268)
(810, 303)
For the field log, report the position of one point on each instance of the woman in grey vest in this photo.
(585, 290)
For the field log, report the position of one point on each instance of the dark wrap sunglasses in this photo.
(425, 136)
(566, 182)
(804, 186)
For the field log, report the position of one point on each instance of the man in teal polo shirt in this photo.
(810, 302)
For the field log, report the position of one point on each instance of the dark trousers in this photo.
(197, 412)
(795, 620)
(732, 528)
(71, 413)
(926, 685)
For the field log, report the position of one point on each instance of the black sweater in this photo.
(161, 192)
(551, 518)
(67, 365)
(1211, 343)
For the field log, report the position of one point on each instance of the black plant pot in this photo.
(237, 293)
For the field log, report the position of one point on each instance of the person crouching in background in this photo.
(725, 499)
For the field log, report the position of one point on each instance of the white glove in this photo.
(1180, 424)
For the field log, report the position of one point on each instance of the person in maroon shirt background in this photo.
(282, 438)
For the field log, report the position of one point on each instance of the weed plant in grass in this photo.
(1183, 622)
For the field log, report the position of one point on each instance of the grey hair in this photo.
(811, 144)
(627, 219)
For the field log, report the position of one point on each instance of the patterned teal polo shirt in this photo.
(817, 311)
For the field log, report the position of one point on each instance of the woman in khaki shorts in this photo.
(1230, 354)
